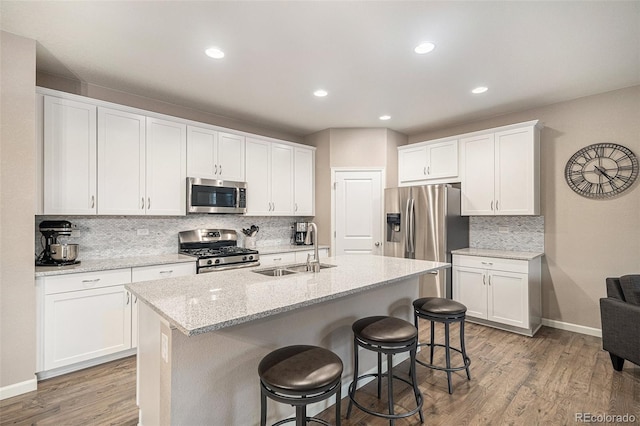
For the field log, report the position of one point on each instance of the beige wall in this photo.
(123, 98)
(17, 206)
(585, 240)
(356, 148)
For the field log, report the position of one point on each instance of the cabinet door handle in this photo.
(215, 169)
(484, 279)
(489, 279)
(295, 208)
(497, 208)
(142, 204)
(135, 300)
(220, 171)
(491, 205)
(128, 298)
(148, 203)
(93, 201)
(424, 171)
(428, 170)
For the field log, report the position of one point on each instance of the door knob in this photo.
(377, 244)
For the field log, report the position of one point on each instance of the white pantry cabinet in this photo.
(504, 293)
(425, 162)
(269, 173)
(501, 171)
(304, 182)
(69, 176)
(214, 155)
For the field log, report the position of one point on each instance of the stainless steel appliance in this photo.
(216, 196)
(216, 250)
(302, 235)
(424, 222)
(53, 252)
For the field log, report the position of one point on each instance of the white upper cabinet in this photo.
(501, 171)
(428, 161)
(270, 175)
(166, 168)
(215, 155)
(304, 184)
(121, 162)
(69, 178)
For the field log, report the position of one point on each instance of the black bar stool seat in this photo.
(385, 335)
(446, 311)
(300, 375)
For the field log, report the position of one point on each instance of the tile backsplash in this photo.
(514, 233)
(103, 237)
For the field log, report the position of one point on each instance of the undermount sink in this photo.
(280, 271)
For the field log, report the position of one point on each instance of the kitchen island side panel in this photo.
(212, 378)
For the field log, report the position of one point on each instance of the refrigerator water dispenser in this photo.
(393, 228)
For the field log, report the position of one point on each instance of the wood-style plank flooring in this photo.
(515, 380)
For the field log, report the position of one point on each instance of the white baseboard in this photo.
(572, 327)
(19, 388)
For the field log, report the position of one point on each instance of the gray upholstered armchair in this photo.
(620, 313)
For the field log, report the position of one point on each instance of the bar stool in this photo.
(300, 375)
(389, 336)
(447, 311)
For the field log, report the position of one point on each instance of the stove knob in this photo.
(209, 262)
(217, 261)
(250, 257)
(244, 257)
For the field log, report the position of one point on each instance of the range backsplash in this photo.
(514, 233)
(117, 236)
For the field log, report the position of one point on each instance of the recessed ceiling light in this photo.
(214, 52)
(320, 93)
(425, 47)
(479, 90)
(385, 117)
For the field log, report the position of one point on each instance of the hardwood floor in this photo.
(544, 380)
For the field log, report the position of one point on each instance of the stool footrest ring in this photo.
(352, 389)
(467, 360)
(308, 419)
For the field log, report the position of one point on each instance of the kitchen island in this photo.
(201, 337)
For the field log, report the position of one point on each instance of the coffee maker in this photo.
(301, 236)
(53, 252)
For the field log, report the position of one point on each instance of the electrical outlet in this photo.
(503, 230)
(165, 347)
(143, 232)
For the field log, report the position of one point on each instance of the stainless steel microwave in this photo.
(216, 196)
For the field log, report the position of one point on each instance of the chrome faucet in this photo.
(313, 265)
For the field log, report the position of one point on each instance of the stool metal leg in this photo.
(301, 415)
(355, 376)
(379, 374)
(390, 386)
(263, 408)
(338, 403)
(432, 346)
(463, 350)
(414, 380)
(448, 355)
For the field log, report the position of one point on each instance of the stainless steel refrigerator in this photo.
(424, 222)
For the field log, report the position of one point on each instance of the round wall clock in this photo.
(601, 170)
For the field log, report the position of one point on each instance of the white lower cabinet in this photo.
(88, 318)
(301, 256)
(504, 293)
(277, 259)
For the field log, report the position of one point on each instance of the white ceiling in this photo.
(277, 53)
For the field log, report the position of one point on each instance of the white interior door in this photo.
(358, 206)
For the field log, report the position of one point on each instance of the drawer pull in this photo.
(487, 263)
(167, 272)
(275, 259)
(91, 281)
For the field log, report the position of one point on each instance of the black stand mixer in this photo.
(54, 253)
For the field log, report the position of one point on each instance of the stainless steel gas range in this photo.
(216, 250)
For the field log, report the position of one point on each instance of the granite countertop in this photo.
(287, 247)
(92, 265)
(207, 302)
(502, 254)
